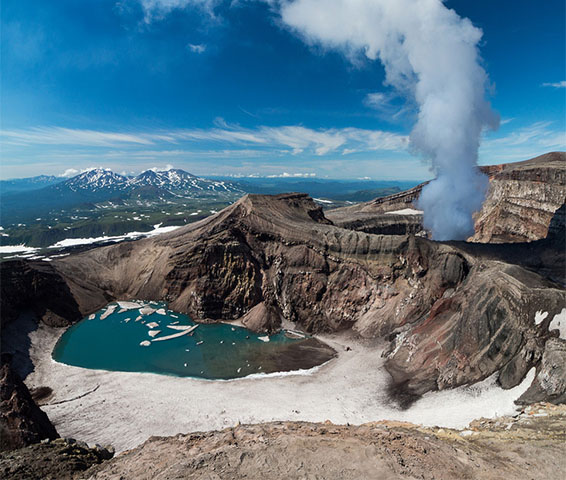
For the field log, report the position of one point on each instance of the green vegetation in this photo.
(109, 219)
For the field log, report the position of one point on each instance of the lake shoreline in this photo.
(111, 340)
(125, 409)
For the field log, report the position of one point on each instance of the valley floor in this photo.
(125, 409)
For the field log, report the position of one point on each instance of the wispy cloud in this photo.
(158, 9)
(294, 139)
(69, 136)
(561, 84)
(69, 172)
(196, 48)
(540, 133)
(292, 175)
(523, 143)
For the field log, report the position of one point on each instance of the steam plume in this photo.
(430, 54)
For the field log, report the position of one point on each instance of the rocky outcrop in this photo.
(522, 199)
(36, 287)
(61, 459)
(520, 203)
(380, 224)
(550, 383)
(529, 446)
(22, 422)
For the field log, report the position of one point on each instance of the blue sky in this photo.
(223, 87)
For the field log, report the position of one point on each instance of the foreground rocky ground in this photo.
(530, 445)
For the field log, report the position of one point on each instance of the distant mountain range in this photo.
(26, 184)
(48, 197)
(100, 185)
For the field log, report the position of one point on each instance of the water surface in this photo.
(126, 336)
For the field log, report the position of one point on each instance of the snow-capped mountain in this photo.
(174, 181)
(178, 182)
(99, 185)
(96, 180)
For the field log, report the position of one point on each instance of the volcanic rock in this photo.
(529, 446)
(550, 383)
(60, 459)
(520, 203)
(522, 199)
(22, 422)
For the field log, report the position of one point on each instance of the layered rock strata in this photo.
(521, 201)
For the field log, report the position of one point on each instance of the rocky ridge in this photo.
(520, 203)
(530, 445)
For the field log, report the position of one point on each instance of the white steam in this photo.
(430, 54)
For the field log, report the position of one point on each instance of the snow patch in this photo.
(17, 248)
(540, 316)
(69, 242)
(109, 311)
(559, 323)
(405, 211)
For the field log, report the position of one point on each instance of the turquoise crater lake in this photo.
(141, 336)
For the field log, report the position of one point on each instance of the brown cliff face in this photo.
(521, 201)
(37, 287)
(454, 314)
(22, 422)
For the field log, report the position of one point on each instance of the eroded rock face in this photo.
(22, 422)
(36, 287)
(522, 199)
(520, 203)
(550, 383)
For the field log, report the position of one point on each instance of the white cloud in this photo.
(69, 136)
(539, 133)
(561, 84)
(158, 9)
(196, 48)
(523, 143)
(70, 172)
(377, 100)
(161, 169)
(295, 139)
(300, 139)
(292, 175)
(66, 147)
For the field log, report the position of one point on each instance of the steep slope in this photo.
(522, 199)
(22, 422)
(454, 315)
(520, 203)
